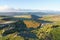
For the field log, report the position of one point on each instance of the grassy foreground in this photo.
(17, 28)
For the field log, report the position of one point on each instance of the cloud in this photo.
(6, 8)
(50, 8)
(3, 7)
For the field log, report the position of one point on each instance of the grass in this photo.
(51, 18)
(31, 23)
(56, 33)
(42, 33)
(23, 16)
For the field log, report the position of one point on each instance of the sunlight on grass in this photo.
(31, 24)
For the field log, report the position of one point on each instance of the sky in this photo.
(30, 4)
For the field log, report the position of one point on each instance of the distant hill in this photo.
(22, 13)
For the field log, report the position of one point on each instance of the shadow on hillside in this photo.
(22, 30)
(27, 34)
(34, 17)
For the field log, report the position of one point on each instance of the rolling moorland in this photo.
(30, 27)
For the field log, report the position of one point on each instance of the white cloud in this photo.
(50, 8)
(3, 7)
(6, 8)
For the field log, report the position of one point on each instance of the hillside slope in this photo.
(29, 27)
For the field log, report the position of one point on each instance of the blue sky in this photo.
(32, 4)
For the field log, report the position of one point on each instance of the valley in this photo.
(29, 27)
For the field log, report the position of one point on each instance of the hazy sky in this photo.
(31, 4)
